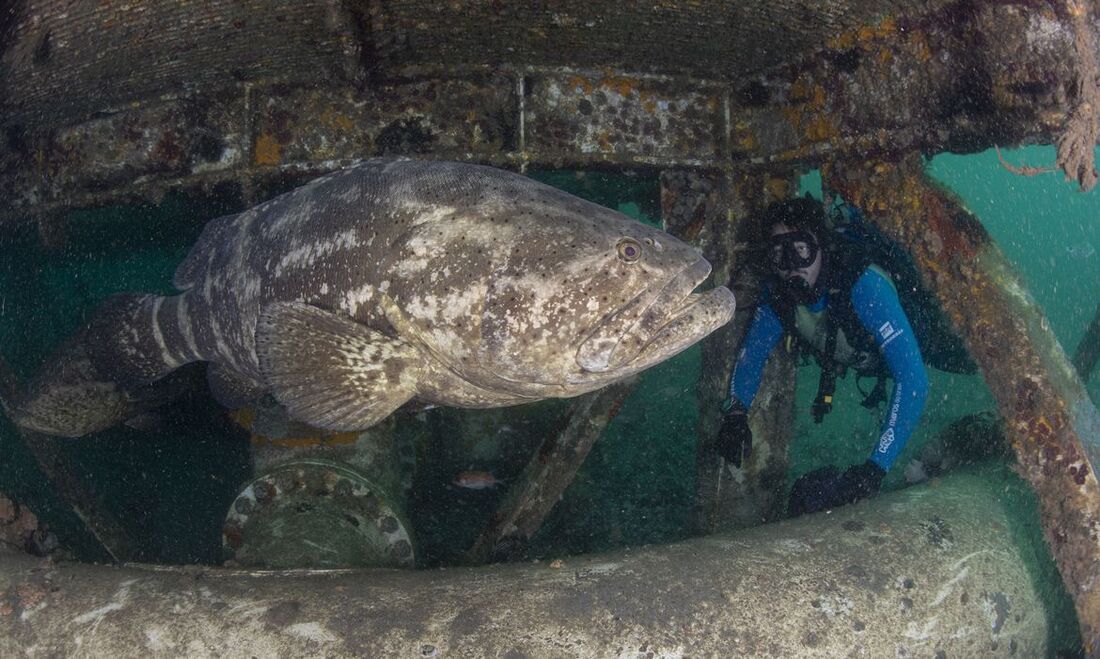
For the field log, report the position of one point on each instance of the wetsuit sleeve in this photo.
(761, 338)
(876, 305)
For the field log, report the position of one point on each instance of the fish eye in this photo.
(629, 250)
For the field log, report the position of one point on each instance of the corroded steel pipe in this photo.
(1052, 425)
(915, 573)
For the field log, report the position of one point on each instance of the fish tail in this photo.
(64, 398)
(73, 396)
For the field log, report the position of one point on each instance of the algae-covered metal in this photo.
(924, 572)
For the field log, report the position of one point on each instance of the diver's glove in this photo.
(859, 482)
(825, 488)
(734, 436)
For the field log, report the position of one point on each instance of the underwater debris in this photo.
(1021, 170)
(1077, 143)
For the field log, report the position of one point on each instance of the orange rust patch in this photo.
(340, 121)
(817, 97)
(30, 594)
(918, 43)
(582, 85)
(301, 435)
(623, 86)
(777, 188)
(744, 137)
(604, 140)
(243, 417)
(801, 89)
(863, 36)
(940, 221)
(820, 128)
(267, 150)
(326, 439)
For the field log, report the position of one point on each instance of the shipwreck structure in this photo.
(726, 103)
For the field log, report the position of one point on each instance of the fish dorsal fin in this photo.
(194, 264)
(330, 371)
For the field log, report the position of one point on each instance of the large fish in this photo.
(389, 281)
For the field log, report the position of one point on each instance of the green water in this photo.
(170, 488)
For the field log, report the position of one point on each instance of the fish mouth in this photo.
(654, 326)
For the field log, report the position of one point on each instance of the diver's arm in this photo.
(734, 439)
(761, 338)
(876, 305)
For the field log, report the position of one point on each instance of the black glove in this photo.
(859, 482)
(826, 488)
(734, 441)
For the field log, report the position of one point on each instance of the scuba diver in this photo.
(828, 294)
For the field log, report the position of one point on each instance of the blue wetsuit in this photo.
(876, 305)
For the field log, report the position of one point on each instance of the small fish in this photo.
(476, 480)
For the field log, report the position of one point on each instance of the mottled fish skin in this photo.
(452, 283)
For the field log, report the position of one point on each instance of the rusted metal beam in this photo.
(68, 484)
(921, 572)
(1052, 425)
(550, 471)
(943, 79)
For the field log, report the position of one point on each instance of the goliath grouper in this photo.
(391, 281)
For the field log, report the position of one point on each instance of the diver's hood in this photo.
(797, 290)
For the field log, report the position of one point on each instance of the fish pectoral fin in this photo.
(330, 371)
(231, 389)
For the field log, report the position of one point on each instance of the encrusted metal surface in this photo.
(71, 57)
(621, 118)
(316, 513)
(362, 81)
(922, 572)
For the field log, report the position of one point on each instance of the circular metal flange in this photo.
(315, 513)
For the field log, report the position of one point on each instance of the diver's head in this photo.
(794, 231)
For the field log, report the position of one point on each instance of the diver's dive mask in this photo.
(793, 250)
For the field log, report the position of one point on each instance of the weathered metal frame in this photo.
(897, 86)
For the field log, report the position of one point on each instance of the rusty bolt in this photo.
(233, 535)
(265, 492)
